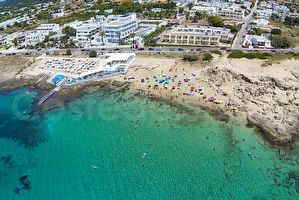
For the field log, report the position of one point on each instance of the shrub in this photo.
(216, 21)
(93, 54)
(236, 54)
(279, 41)
(240, 54)
(216, 52)
(190, 58)
(68, 52)
(207, 57)
(276, 31)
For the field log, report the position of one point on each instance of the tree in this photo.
(187, 15)
(275, 17)
(100, 1)
(279, 41)
(93, 54)
(207, 57)
(291, 21)
(200, 15)
(102, 34)
(43, 15)
(216, 21)
(181, 9)
(276, 31)
(258, 31)
(15, 41)
(68, 52)
(69, 31)
(132, 35)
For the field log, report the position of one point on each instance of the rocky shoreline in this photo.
(271, 104)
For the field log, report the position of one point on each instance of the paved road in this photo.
(237, 44)
(106, 50)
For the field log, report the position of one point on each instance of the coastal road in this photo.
(107, 50)
(237, 44)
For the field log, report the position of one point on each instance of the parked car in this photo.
(198, 49)
(171, 49)
(180, 49)
(141, 49)
(150, 49)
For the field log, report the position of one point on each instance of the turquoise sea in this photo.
(118, 145)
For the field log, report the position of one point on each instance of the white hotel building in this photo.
(121, 28)
(48, 28)
(197, 36)
(231, 13)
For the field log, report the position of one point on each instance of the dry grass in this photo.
(277, 58)
(12, 66)
(292, 35)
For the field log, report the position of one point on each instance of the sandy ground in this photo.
(266, 96)
(12, 67)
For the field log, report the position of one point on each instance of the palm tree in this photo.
(102, 36)
(118, 35)
(132, 35)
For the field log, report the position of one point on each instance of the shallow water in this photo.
(117, 145)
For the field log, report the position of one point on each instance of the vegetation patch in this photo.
(240, 54)
(93, 54)
(207, 57)
(149, 39)
(217, 52)
(190, 58)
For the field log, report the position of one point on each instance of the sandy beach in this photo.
(264, 96)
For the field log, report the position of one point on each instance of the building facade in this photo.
(231, 14)
(48, 28)
(120, 29)
(197, 36)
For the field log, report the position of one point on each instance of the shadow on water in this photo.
(27, 133)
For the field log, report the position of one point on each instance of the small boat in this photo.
(95, 167)
(144, 155)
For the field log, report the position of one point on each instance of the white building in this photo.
(264, 13)
(210, 10)
(48, 28)
(120, 29)
(256, 41)
(13, 21)
(30, 38)
(261, 22)
(80, 70)
(231, 14)
(197, 35)
(85, 30)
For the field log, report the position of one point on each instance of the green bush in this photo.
(254, 55)
(68, 52)
(236, 54)
(216, 52)
(279, 41)
(190, 58)
(207, 57)
(216, 21)
(276, 31)
(93, 54)
(43, 15)
(148, 38)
